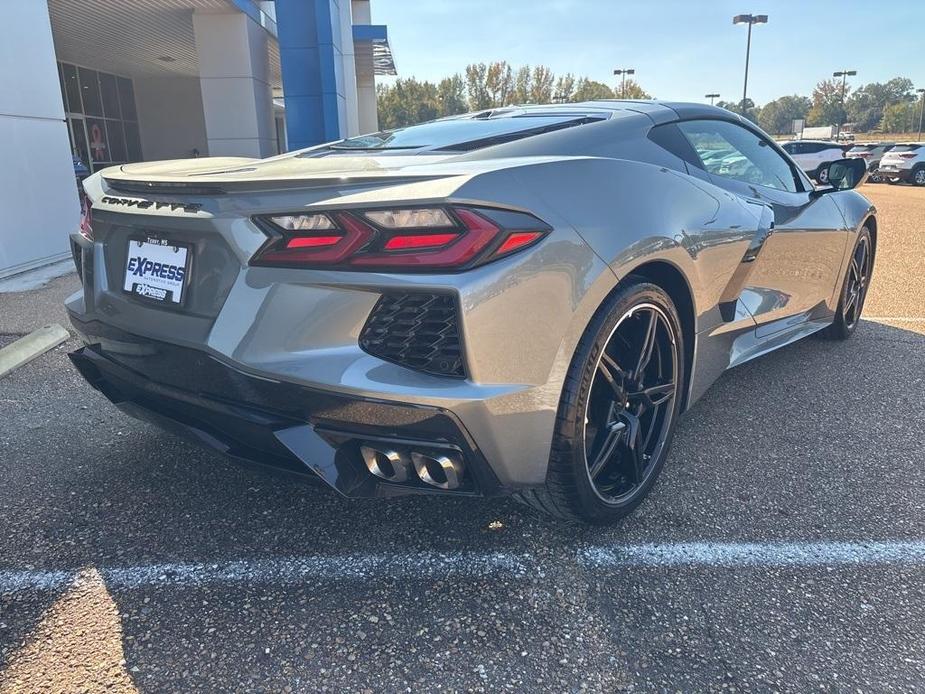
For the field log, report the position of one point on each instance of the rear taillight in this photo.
(907, 155)
(405, 239)
(86, 218)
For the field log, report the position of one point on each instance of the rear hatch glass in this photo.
(461, 134)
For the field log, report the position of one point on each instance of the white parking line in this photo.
(756, 554)
(437, 565)
(285, 571)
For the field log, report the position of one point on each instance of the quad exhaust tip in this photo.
(440, 470)
(386, 463)
(443, 471)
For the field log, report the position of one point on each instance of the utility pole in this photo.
(711, 97)
(844, 74)
(749, 19)
(921, 113)
(624, 72)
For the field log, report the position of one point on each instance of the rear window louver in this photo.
(166, 188)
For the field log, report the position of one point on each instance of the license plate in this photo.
(156, 270)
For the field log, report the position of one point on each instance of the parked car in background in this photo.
(904, 162)
(814, 156)
(871, 153)
(497, 303)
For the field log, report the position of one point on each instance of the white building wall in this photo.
(366, 102)
(234, 80)
(170, 117)
(38, 193)
(351, 111)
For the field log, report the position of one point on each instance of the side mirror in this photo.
(845, 174)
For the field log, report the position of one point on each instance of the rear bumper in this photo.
(895, 174)
(266, 422)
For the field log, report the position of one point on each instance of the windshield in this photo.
(863, 148)
(905, 148)
(462, 133)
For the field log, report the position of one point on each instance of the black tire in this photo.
(822, 174)
(847, 319)
(918, 176)
(569, 492)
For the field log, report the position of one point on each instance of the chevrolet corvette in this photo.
(517, 301)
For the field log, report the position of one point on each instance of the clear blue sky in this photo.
(681, 49)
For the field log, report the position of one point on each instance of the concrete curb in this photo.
(27, 348)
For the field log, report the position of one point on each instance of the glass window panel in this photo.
(61, 84)
(116, 140)
(72, 87)
(99, 145)
(731, 151)
(90, 88)
(127, 98)
(110, 95)
(80, 141)
(132, 142)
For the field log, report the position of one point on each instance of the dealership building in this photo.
(105, 82)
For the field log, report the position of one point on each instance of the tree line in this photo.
(890, 106)
(488, 85)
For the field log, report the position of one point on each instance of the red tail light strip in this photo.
(358, 244)
(312, 241)
(517, 239)
(402, 243)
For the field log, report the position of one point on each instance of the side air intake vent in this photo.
(420, 331)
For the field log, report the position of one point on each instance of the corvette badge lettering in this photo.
(155, 204)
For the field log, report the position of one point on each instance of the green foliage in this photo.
(867, 104)
(776, 117)
(751, 112)
(827, 108)
(484, 86)
(631, 90)
(891, 105)
(588, 90)
(901, 117)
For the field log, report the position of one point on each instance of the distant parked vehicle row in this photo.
(886, 161)
(814, 156)
(871, 153)
(904, 162)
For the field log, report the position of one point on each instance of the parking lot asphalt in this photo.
(782, 549)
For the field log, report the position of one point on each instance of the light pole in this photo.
(921, 113)
(624, 72)
(711, 97)
(844, 74)
(749, 19)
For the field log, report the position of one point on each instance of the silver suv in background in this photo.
(871, 153)
(904, 162)
(814, 156)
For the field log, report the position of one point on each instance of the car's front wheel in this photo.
(854, 289)
(918, 176)
(618, 409)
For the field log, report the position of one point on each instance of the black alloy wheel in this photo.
(854, 289)
(628, 412)
(618, 409)
(858, 281)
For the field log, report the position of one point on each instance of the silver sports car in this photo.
(517, 301)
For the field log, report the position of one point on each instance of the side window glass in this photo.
(731, 151)
(670, 138)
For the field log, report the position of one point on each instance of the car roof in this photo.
(819, 142)
(647, 106)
